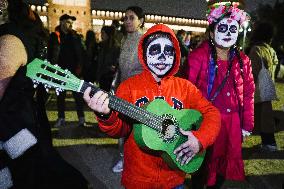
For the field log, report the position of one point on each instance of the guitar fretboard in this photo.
(128, 109)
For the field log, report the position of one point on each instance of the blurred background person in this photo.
(53, 47)
(107, 60)
(27, 158)
(184, 49)
(182, 39)
(91, 64)
(117, 31)
(263, 114)
(69, 52)
(129, 65)
(188, 40)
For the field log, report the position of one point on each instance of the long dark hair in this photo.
(111, 41)
(90, 38)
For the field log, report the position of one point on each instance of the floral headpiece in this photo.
(217, 12)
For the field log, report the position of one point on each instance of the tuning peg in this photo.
(57, 91)
(47, 87)
(35, 83)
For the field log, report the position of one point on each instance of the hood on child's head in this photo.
(160, 28)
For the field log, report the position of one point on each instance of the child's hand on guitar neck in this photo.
(99, 102)
(186, 151)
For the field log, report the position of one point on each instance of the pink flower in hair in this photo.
(216, 13)
(236, 13)
(239, 15)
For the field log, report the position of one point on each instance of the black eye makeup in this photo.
(222, 28)
(233, 29)
(169, 50)
(155, 49)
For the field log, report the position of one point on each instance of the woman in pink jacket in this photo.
(224, 76)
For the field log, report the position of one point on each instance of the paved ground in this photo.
(96, 160)
(94, 154)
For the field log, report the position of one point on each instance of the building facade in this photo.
(90, 17)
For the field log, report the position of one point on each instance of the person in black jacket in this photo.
(66, 50)
(27, 157)
(107, 59)
(91, 53)
(184, 50)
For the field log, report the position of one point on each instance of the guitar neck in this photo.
(128, 109)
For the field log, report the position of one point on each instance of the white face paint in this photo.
(226, 32)
(160, 56)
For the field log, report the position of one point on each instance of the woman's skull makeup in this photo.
(160, 56)
(226, 32)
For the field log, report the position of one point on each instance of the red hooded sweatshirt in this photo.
(142, 169)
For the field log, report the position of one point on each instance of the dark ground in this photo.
(94, 154)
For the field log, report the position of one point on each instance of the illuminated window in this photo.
(69, 2)
(82, 3)
(60, 2)
(98, 22)
(43, 18)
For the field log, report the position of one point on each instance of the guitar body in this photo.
(159, 123)
(186, 119)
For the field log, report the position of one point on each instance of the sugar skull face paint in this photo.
(226, 32)
(160, 56)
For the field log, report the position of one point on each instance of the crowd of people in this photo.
(211, 76)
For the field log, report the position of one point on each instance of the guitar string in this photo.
(151, 120)
(131, 110)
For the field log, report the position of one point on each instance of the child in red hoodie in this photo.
(159, 54)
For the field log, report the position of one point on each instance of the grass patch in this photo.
(278, 105)
(260, 167)
(83, 141)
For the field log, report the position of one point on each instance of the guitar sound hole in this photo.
(194, 127)
(169, 129)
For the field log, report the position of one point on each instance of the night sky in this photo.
(251, 5)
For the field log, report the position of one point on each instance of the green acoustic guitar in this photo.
(159, 123)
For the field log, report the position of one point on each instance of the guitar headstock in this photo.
(41, 71)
